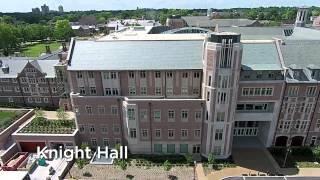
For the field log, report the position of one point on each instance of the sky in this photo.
(72, 5)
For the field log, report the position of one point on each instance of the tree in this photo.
(189, 158)
(63, 30)
(61, 114)
(211, 159)
(167, 165)
(39, 117)
(8, 38)
(316, 153)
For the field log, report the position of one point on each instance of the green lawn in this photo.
(37, 49)
(7, 118)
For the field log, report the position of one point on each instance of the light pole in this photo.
(286, 157)
(194, 170)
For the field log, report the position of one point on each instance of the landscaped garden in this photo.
(35, 50)
(8, 117)
(300, 157)
(40, 124)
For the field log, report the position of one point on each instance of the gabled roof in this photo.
(136, 55)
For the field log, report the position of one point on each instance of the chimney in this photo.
(302, 16)
(48, 50)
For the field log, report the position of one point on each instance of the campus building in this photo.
(199, 95)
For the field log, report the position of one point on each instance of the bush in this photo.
(87, 174)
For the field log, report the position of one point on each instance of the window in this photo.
(133, 133)
(208, 96)
(170, 133)
(82, 91)
(222, 97)
(171, 148)
(115, 91)
(184, 91)
(93, 91)
(318, 124)
(157, 115)
(89, 109)
(226, 54)
(113, 75)
(220, 116)
(196, 74)
(94, 142)
(308, 108)
(144, 133)
(257, 91)
(26, 89)
(142, 74)
(198, 115)
(158, 133)
(223, 81)
(116, 129)
(311, 90)
(14, 80)
(184, 133)
(217, 150)
(169, 75)
(92, 129)
(117, 141)
(38, 100)
(158, 91)
(91, 74)
(108, 92)
(106, 75)
(158, 148)
(10, 100)
(184, 115)
(157, 74)
(131, 74)
(293, 91)
(105, 142)
(209, 81)
(171, 115)
(17, 89)
(195, 91)
(81, 128)
(253, 107)
(184, 75)
(169, 91)
(32, 81)
(143, 115)
(114, 110)
(132, 91)
(131, 114)
(101, 109)
(46, 100)
(30, 99)
(218, 135)
(183, 148)
(143, 90)
(23, 80)
(79, 75)
(104, 129)
(197, 133)
(196, 148)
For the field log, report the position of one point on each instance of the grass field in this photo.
(37, 49)
(6, 118)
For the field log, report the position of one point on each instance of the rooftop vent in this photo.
(5, 69)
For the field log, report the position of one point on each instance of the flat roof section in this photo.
(136, 55)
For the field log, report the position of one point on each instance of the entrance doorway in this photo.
(281, 141)
(297, 141)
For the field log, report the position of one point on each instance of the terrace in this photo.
(7, 117)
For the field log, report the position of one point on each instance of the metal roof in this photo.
(256, 33)
(260, 56)
(205, 21)
(136, 55)
(301, 53)
(303, 33)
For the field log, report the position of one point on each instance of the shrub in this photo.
(211, 159)
(167, 165)
(87, 174)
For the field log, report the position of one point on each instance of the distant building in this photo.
(36, 10)
(45, 9)
(60, 9)
(175, 22)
